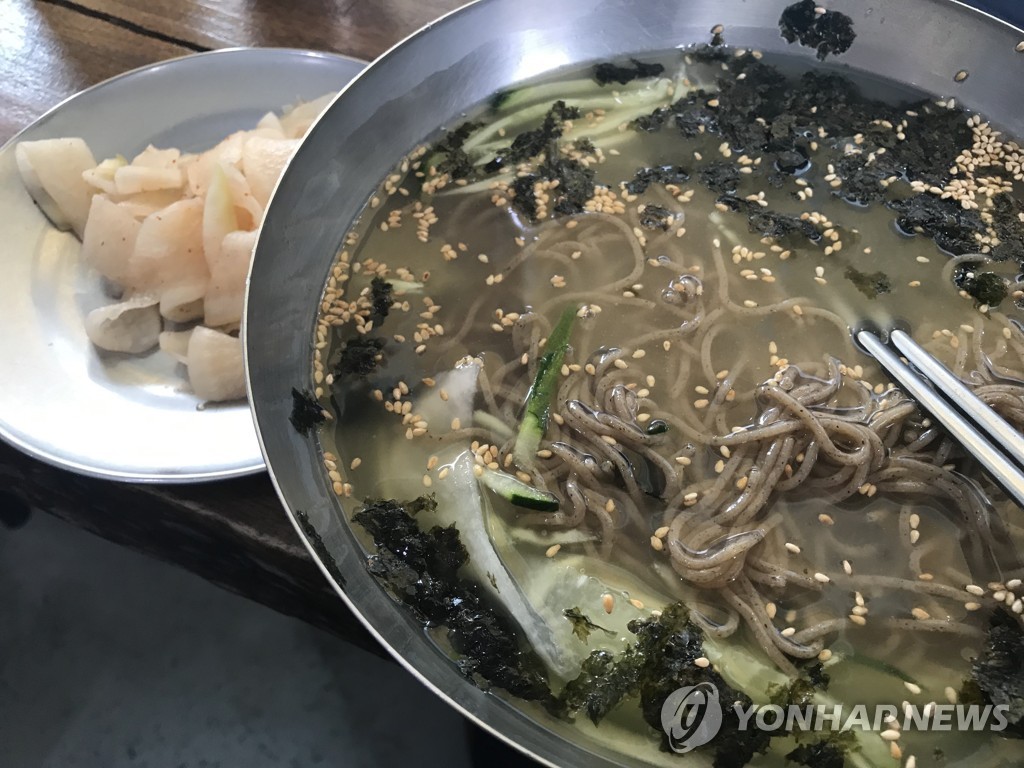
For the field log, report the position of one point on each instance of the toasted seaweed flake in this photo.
(655, 217)
(359, 357)
(582, 626)
(720, 176)
(830, 32)
(535, 141)
(319, 547)
(453, 159)
(381, 297)
(306, 412)
(421, 569)
(612, 73)
(984, 287)
(871, 285)
(944, 220)
(664, 174)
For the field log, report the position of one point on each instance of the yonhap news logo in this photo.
(692, 716)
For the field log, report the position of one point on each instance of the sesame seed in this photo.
(792, 548)
(824, 654)
(702, 662)
(657, 544)
(960, 76)
(920, 614)
(821, 578)
(912, 687)
(860, 621)
(890, 734)
(608, 603)
(826, 519)
(552, 550)
(974, 589)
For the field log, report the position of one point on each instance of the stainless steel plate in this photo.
(423, 83)
(117, 416)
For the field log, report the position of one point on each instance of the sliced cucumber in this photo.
(521, 494)
(538, 402)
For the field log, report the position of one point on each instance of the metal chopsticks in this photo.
(1002, 456)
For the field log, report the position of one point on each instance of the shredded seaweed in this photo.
(319, 547)
(997, 675)
(830, 32)
(720, 176)
(453, 158)
(306, 412)
(660, 661)
(951, 227)
(381, 295)
(770, 223)
(582, 626)
(871, 285)
(656, 217)
(421, 569)
(828, 752)
(613, 73)
(533, 142)
(359, 357)
(663, 174)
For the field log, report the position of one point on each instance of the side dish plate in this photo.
(125, 417)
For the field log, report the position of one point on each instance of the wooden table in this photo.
(232, 533)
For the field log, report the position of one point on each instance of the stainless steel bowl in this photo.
(447, 68)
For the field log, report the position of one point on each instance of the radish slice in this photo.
(228, 152)
(297, 120)
(151, 157)
(175, 344)
(215, 365)
(52, 172)
(131, 326)
(219, 216)
(109, 239)
(102, 176)
(134, 178)
(263, 162)
(168, 254)
(226, 293)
